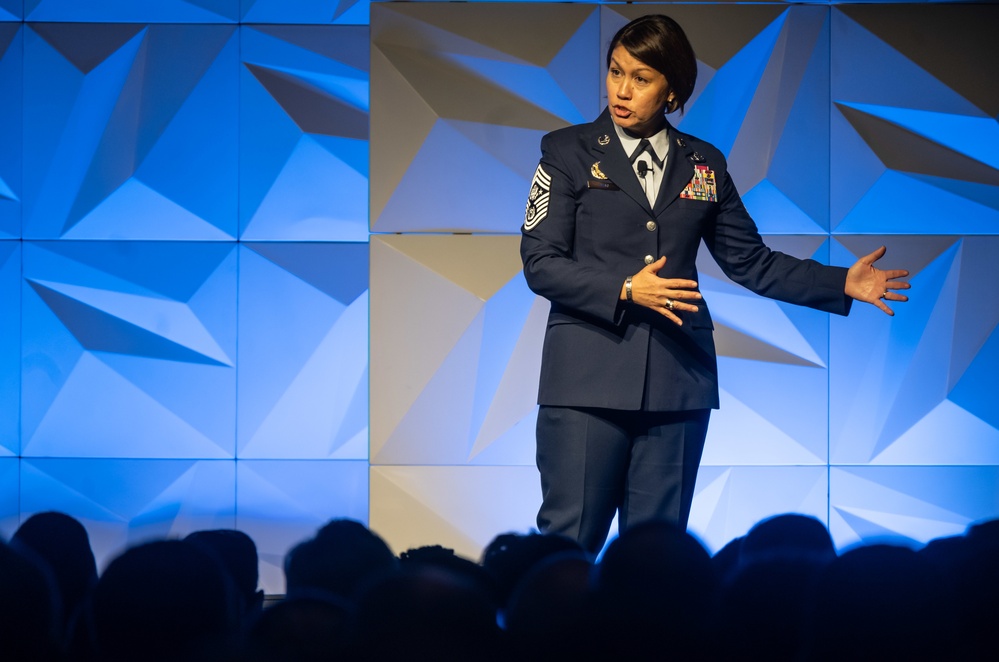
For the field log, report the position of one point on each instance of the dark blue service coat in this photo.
(589, 226)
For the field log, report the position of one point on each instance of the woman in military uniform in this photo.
(615, 215)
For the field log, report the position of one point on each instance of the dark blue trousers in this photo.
(598, 462)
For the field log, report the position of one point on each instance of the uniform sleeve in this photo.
(547, 245)
(738, 248)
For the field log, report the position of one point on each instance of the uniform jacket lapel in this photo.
(679, 171)
(613, 161)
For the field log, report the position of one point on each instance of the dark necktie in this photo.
(643, 168)
(645, 146)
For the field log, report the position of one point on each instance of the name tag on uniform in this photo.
(701, 186)
(602, 184)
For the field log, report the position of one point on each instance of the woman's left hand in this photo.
(865, 282)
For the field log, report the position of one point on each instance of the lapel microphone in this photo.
(643, 168)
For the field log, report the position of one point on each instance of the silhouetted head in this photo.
(762, 607)
(429, 613)
(984, 534)
(510, 556)
(789, 536)
(313, 628)
(655, 586)
(444, 557)
(238, 555)
(549, 609)
(61, 542)
(886, 601)
(29, 608)
(164, 600)
(342, 556)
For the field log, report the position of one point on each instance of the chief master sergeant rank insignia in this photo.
(537, 200)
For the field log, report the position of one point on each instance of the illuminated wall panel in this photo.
(130, 11)
(10, 347)
(280, 503)
(10, 510)
(129, 350)
(773, 363)
(303, 359)
(126, 502)
(11, 111)
(915, 139)
(730, 500)
(413, 506)
(454, 360)
(914, 166)
(304, 133)
(919, 389)
(909, 503)
(342, 12)
(466, 92)
(132, 131)
(11, 10)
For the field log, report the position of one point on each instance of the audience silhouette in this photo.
(237, 553)
(166, 601)
(780, 592)
(62, 543)
(342, 557)
(29, 608)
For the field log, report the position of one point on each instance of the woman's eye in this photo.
(640, 80)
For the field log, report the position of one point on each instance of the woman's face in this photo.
(636, 94)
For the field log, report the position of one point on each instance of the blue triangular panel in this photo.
(263, 153)
(527, 82)
(721, 107)
(293, 211)
(900, 204)
(853, 169)
(977, 137)
(337, 80)
(201, 135)
(800, 164)
(575, 69)
(867, 530)
(976, 389)
(888, 78)
(505, 314)
(63, 194)
(918, 381)
(353, 12)
(982, 194)
(433, 199)
(352, 152)
(99, 330)
(505, 144)
(775, 213)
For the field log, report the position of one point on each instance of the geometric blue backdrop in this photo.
(185, 245)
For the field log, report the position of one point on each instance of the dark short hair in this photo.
(659, 42)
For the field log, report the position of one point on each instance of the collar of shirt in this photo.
(659, 142)
(653, 179)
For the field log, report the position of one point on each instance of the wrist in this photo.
(627, 289)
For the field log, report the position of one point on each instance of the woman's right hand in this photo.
(667, 296)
